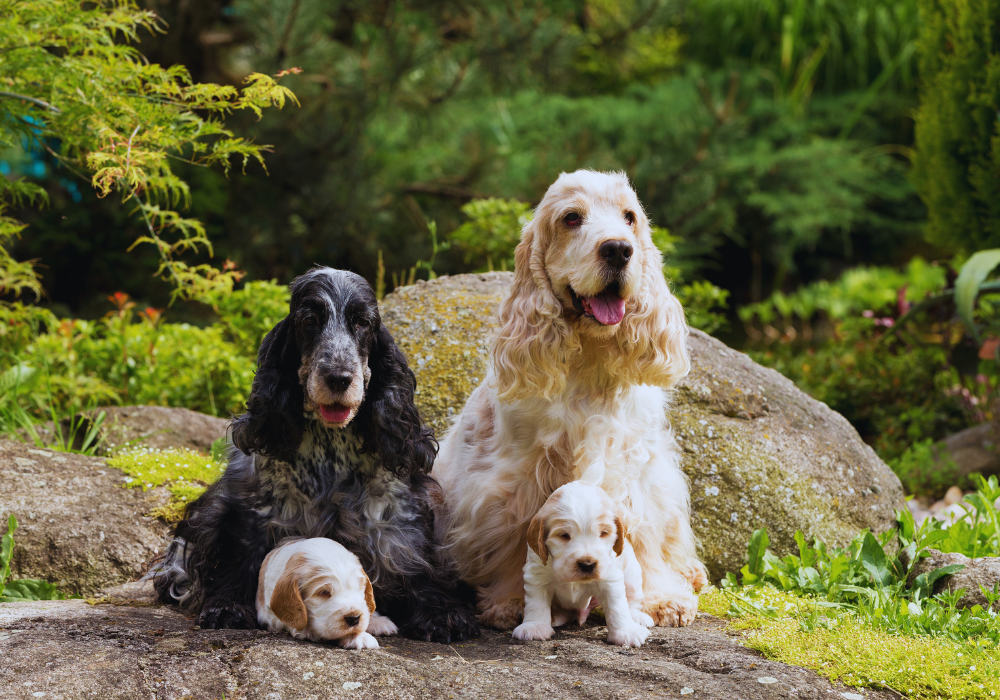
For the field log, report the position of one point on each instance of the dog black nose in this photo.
(339, 381)
(616, 253)
(352, 620)
(587, 566)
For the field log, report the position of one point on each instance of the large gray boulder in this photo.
(69, 650)
(78, 526)
(758, 452)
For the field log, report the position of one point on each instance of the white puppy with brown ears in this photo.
(578, 558)
(316, 589)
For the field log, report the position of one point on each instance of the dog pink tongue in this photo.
(608, 308)
(334, 413)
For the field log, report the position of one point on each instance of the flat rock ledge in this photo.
(983, 571)
(758, 451)
(69, 650)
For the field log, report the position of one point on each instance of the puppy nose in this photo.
(339, 381)
(352, 620)
(615, 253)
(587, 566)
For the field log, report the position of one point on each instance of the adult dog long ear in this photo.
(273, 422)
(530, 352)
(389, 421)
(652, 340)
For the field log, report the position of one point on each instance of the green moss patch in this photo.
(185, 473)
(853, 653)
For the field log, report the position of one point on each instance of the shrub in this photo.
(957, 164)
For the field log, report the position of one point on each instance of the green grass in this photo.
(185, 473)
(859, 616)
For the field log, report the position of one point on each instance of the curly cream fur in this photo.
(565, 398)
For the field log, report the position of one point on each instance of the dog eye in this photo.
(565, 536)
(605, 533)
(325, 593)
(572, 219)
(308, 321)
(362, 322)
(630, 218)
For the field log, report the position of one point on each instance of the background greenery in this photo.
(814, 169)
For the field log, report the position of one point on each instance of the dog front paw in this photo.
(629, 636)
(227, 616)
(505, 615)
(677, 610)
(531, 631)
(696, 573)
(641, 618)
(456, 625)
(381, 626)
(362, 640)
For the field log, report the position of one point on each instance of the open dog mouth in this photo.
(606, 307)
(334, 412)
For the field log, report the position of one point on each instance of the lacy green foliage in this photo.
(704, 305)
(492, 232)
(857, 606)
(185, 473)
(957, 164)
(13, 591)
(74, 84)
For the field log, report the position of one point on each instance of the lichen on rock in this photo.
(757, 451)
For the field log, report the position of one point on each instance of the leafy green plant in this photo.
(492, 232)
(13, 591)
(76, 88)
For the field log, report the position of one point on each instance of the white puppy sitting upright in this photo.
(578, 558)
(316, 589)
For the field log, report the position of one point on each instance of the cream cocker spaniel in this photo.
(579, 558)
(590, 338)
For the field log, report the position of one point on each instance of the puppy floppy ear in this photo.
(286, 598)
(530, 352)
(619, 545)
(369, 593)
(537, 535)
(273, 422)
(389, 420)
(652, 339)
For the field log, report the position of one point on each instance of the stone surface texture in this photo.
(984, 571)
(69, 650)
(78, 526)
(758, 452)
(161, 427)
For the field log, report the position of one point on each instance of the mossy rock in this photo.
(758, 452)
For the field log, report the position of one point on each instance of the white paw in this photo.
(643, 619)
(381, 626)
(533, 630)
(362, 640)
(631, 636)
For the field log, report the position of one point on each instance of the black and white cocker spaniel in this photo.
(331, 445)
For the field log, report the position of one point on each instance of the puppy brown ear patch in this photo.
(369, 593)
(286, 599)
(536, 537)
(620, 536)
